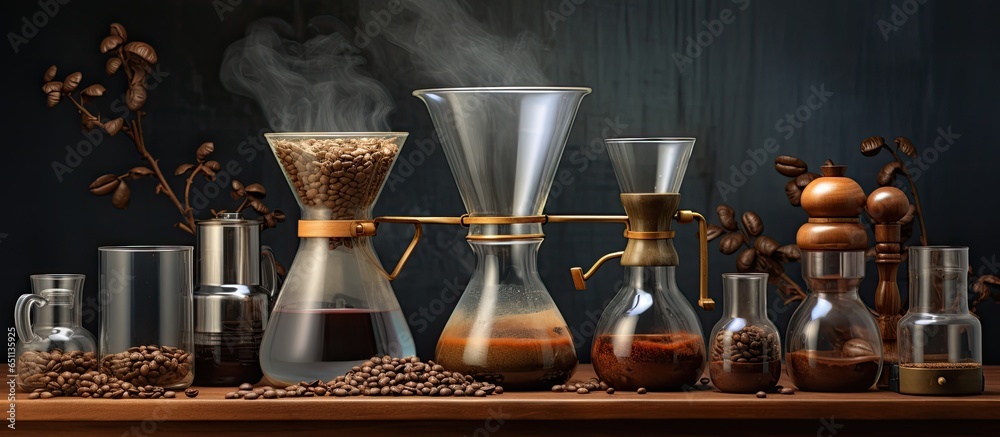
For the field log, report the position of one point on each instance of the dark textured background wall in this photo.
(929, 70)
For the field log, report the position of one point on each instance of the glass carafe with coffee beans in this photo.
(503, 146)
(54, 340)
(833, 342)
(940, 342)
(336, 307)
(649, 336)
(744, 347)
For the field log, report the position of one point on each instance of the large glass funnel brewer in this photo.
(336, 307)
(503, 146)
(649, 335)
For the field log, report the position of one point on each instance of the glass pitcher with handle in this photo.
(53, 342)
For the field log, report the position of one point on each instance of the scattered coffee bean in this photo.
(582, 391)
(761, 394)
(787, 391)
(704, 381)
(232, 395)
(246, 386)
(170, 395)
(641, 390)
(611, 390)
(251, 396)
(191, 392)
(557, 388)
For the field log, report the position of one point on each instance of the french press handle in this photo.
(269, 274)
(22, 316)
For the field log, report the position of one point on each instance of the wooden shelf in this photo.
(211, 407)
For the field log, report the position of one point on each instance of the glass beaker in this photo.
(745, 346)
(54, 339)
(833, 342)
(336, 308)
(940, 342)
(649, 335)
(503, 145)
(146, 314)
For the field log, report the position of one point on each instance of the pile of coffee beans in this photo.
(149, 365)
(342, 174)
(339, 173)
(93, 384)
(583, 387)
(43, 370)
(752, 344)
(381, 376)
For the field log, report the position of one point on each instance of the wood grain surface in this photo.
(210, 405)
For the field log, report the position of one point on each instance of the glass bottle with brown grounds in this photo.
(648, 335)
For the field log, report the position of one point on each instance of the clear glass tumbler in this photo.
(146, 333)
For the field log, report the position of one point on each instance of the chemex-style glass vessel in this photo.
(503, 145)
(745, 346)
(649, 336)
(336, 308)
(54, 335)
(940, 342)
(833, 343)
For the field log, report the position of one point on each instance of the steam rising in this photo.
(452, 48)
(316, 86)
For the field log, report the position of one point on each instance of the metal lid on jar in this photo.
(228, 250)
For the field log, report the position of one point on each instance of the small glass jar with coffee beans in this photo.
(745, 349)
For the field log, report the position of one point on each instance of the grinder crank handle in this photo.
(687, 216)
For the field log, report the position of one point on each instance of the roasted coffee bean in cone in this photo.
(341, 174)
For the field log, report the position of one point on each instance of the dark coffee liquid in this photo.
(734, 377)
(658, 362)
(231, 361)
(306, 345)
(831, 372)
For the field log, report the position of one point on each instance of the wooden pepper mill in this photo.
(887, 206)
